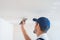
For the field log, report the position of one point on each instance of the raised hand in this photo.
(23, 21)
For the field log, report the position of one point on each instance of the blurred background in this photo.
(12, 11)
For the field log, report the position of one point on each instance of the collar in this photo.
(44, 36)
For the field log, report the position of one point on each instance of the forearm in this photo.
(25, 34)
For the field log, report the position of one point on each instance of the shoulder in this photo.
(43, 37)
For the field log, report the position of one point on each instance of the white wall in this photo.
(6, 30)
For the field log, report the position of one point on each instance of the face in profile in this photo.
(37, 29)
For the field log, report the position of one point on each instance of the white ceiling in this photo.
(14, 9)
(26, 4)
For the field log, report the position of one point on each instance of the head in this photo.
(42, 25)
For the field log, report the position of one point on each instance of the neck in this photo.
(40, 34)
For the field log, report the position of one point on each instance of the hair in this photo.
(45, 29)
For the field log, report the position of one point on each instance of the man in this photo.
(42, 25)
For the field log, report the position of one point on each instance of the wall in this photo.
(6, 30)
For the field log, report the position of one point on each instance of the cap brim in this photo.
(34, 19)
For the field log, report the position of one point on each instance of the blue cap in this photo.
(43, 22)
